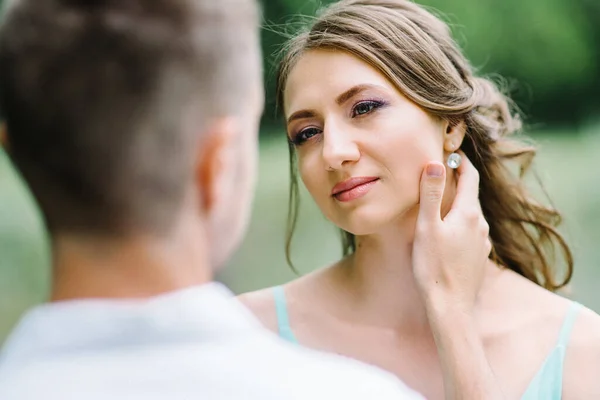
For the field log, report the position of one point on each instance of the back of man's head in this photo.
(106, 103)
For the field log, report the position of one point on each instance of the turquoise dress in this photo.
(547, 383)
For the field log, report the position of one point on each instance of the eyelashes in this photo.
(304, 135)
(360, 109)
(365, 107)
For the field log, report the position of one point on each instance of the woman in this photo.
(371, 93)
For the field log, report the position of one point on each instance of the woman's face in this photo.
(361, 144)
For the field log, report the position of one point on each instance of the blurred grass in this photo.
(23, 252)
(566, 164)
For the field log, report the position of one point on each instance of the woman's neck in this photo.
(378, 278)
(379, 275)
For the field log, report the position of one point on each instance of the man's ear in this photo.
(214, 161)
(454, 135)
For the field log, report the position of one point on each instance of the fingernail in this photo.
(435, 170)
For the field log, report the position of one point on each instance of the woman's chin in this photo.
(369, 222)
(364, 227)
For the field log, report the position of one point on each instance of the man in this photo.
(134, 123)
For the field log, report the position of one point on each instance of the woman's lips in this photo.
(353, 188)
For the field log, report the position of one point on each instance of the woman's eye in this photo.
(304, 135)
(365, 107)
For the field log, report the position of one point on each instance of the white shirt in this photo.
(197, 344)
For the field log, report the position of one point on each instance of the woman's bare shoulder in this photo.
(262, 302)
(262, 305)
(548, 312)
(582, 358)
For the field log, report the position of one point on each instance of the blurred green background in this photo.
(547, 49)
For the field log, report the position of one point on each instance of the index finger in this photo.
(467, 189)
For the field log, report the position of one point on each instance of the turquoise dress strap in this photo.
(283, 320)
(547, 383)
(565, 331)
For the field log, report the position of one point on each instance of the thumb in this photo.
(433, 181)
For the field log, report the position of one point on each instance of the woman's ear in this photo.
(454, 135)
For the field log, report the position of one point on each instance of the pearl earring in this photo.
(454, 160)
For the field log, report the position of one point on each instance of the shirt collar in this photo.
(196, 313)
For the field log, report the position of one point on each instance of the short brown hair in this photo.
(414, 49)
(97, 96)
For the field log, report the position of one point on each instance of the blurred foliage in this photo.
(547, 49)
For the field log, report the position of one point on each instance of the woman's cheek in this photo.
(407, 165)
(314, 180)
